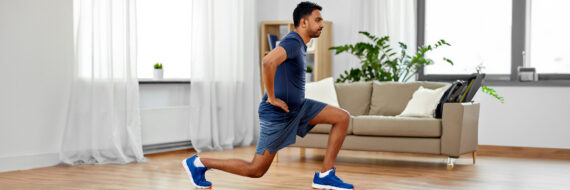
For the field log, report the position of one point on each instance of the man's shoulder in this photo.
(291, 38)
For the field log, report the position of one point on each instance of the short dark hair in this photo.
(303, 9)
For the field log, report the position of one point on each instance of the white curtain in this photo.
(224, 90)
(394, 18)
(397, 19)
(103, 120)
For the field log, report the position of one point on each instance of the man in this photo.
(284, 112)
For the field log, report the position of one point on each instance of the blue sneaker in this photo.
(196, 174)
(330, 182)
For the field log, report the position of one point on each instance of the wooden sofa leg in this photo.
(302, 153)
(474, 157)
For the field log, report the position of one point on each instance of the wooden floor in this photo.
(367, 170)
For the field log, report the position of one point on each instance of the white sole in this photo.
(318, 186)
(190, 175)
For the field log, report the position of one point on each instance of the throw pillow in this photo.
(322, 91)
(423, 102)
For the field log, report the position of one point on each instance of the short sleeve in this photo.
(291, 46)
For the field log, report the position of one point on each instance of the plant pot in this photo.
(308, 77)
(158, 74)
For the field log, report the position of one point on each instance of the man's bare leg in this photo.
(340, 120)
(256, 168)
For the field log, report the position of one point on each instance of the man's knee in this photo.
(344, 116)
(256, 172)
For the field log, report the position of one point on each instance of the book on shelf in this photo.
(271, 39)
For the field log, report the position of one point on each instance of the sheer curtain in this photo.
(397, 19)
(103, 120)
(224, 92)
(394, 18)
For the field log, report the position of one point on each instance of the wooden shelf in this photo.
(320, 56)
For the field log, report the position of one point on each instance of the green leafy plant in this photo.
(158, 65)
(309, 69)
(380, 63)
(493, 93)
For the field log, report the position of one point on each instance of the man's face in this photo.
(314, 23)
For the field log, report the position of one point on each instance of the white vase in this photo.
(158, 74)
(308, 77)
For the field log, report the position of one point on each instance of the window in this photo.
(479, 33)
(163, 29)
(501, 35)
(549, 36)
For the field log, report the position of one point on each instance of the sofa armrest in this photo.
(460, 128)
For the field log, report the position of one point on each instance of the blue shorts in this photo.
(279, 130)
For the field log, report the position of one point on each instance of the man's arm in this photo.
(270, 63)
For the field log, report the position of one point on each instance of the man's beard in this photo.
(316, 33)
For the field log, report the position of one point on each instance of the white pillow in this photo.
(423, 102)
(322, 91)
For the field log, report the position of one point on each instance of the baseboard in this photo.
(523, 152)
(25, 162)
(166, 147)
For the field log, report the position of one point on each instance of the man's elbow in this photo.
(266, 63)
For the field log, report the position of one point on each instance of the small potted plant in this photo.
(309, 74)
(158, 74)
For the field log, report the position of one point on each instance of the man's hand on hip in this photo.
(279, 103)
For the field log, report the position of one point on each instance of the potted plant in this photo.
(158, 73)
(309, 74)
(380, 62)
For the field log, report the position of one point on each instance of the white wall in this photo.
(36, 56)
(531, 116)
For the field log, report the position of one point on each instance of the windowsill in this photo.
(545, 80)
(541, 83)
(164, 81)
(507, 83)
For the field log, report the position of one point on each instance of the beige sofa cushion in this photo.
(354, 97)
(326, 128)
(390, 98)
(374, 125)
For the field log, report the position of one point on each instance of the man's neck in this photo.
(304, 35)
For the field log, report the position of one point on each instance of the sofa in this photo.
(375, 125)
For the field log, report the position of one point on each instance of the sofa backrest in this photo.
(391, 98)
(354, 97)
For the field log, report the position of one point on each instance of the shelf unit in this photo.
(319, 58)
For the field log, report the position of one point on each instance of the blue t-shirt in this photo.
(289, 83)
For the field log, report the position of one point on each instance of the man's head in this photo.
(307, 16)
